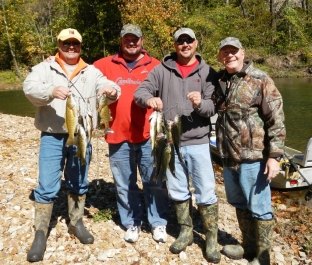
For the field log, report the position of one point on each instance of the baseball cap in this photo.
(131, 29)
(186, 31)
(69, 33)
(231, 41)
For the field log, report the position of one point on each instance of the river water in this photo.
(297, 95)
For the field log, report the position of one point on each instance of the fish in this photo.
(71, 119)
(165, 161)
(105, 115)
(169, 125)
(153, 128)
(82, 144)
(88, 127)
(169, 136)
(176, 131)
(158, 158)
(160, 126)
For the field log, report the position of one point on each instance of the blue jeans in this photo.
(247, 188)
(54, 158)
(125, 158)
(197, 165)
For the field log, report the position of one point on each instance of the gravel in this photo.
(19, 142)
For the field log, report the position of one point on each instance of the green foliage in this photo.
(99, 23)
(33, 26)
(8, 77)
(104, 215)
(291, 28)
(158, 20)
(212, 25)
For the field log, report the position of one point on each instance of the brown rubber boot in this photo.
(185, 237)
(264, 237)
(247, 225)
(43, 214)
(209, 216)
(76, 227)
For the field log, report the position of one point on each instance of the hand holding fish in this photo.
(195, 98)
(109, 92)
(155, 103)
(61, 92)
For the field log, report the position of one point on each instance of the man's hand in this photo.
(109, 92)
(272, 168)
(195, 98)
(61, 92)
(155, 103)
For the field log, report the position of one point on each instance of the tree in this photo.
(158, 20)
(8, 37)
(100, 24)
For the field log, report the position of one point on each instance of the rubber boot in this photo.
(43, 214)
(76, 227)
(209, 216)
(264, 237)
(184, 219)
(247, 249)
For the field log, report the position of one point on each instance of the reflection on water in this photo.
(14, 102)
(297, 95)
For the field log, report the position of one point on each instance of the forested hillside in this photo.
(276, 33)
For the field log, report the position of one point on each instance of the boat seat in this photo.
(305, 159)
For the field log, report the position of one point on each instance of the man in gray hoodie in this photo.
(182, 86)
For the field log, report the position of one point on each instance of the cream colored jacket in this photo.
(84, 83)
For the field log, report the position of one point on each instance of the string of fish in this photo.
(165, 141)
(78, 121)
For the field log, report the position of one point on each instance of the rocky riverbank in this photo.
(19, 143)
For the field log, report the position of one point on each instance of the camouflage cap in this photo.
(182, 31)
(131, 29)
(231, 41)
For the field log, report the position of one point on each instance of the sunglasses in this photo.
(68, 44)
(183, 40)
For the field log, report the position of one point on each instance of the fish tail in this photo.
(70, 140)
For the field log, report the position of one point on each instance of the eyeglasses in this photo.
(227, 50)
(68, 44)
(183, 40)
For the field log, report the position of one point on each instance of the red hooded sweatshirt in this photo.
(129, 122)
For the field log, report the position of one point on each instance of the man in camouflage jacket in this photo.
(250, 138)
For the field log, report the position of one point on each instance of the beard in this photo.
(131, 53)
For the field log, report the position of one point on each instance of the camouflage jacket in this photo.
(250, 124)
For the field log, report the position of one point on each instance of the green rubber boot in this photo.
(185, 237)
(209, 216)
(76, 227)
(247, 249)
(43, 214)
(264, 237)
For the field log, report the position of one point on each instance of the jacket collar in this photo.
(118, 58)
(81, 65)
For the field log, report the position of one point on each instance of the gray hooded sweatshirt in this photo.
(166, 82)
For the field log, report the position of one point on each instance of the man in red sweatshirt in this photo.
(129, 144)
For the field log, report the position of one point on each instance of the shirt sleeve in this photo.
(37, 87)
